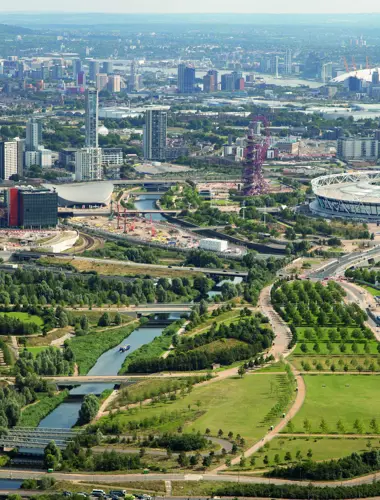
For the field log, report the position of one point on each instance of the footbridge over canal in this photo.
(30, 437)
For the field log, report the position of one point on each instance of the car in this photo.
(67, 494)
(98, 493)
(224, 270)
(170, 267)
(82, 494)
(191, 269)
(118, 493)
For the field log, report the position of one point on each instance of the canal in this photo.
(148, 202)
(109, 363)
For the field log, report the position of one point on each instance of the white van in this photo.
(98, 493)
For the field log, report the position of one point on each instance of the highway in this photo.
(338, 267)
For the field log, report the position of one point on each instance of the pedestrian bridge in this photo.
(30, 437)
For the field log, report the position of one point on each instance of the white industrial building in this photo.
(213, 245)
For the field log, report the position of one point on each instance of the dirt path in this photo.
(280, 328)
(300, 397)
(60, 341)
(15, 346)
(102, 410)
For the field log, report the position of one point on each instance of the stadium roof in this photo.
(83, 193)
(362, 74)
(361, 187)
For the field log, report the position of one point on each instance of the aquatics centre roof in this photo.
(83, 193)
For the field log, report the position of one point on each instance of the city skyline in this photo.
(198, 6)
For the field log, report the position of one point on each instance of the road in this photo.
(122, 478)
(340, 265)
(205, 270)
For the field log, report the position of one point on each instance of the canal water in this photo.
(10, 484)
(147, 202)
(109, 363)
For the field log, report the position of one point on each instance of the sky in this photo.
(193, 6)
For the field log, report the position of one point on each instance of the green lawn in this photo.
(339, 397)
(22, 316)
(322, 449)
(225, 318)
(372, 291)
(36, 350)
(303, 332)
(247, 406)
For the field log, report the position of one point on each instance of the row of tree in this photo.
(50, 361)
(352, 466)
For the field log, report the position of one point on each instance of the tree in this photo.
(118, 319)
(253, 461)
(220, 433)
(241, 371)
(307, 425)
(243, 461)
(104, 320)
(288, 456)
(183, 459)
(52, 455)
(309, 453)
(323, 426)
(89, 409)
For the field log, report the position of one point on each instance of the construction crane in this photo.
(367, 62)
(354, 63)
(257, 147)
(346, 65)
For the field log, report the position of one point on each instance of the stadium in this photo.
(347, 196)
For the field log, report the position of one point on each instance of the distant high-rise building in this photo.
(91, 104)
(107, 67)
(210, 81)
(326, 72)
(81, 78)
(132, 77)
(8, 159)
(57, 73)
(155, 129)
(101, 81)
(186, 79)
(274, 65)
(45, 72)
(375, 77)
(288, 62)
(94, 69)
(33, 135)
(77, 68)
(88, 164)
(114, 83)
(227, 82)
(20, 155)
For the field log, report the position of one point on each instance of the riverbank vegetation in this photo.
(50, 361)
(32, 414)
(223, 344)
(156, 348)
(88, 348)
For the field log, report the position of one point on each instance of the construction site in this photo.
(145, 229)
(54, 241)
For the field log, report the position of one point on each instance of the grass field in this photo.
(246, 406)
(339, 397)
(36, 350)
(118, 269)
(144, 389)
(225, 318)
(45, 340)
(30, 318)
(322, 448)
(371, 290)
(93, 316)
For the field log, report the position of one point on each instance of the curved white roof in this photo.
(362, 74)
(83, 193)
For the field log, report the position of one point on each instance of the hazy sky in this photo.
(184, 6)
